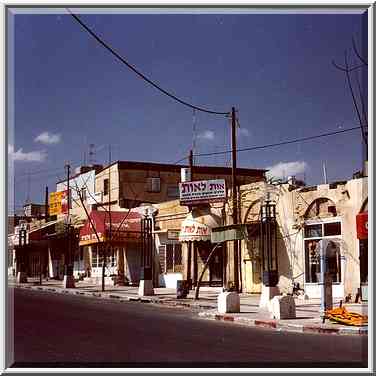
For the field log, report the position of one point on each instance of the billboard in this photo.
(58, 203)
(202, 191)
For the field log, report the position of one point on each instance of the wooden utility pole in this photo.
(234, 196)
(108, 245)
(67, 263)
(191, 247)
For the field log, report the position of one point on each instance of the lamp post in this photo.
(269, 251)
(146, 277)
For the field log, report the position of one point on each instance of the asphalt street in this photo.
(56, 330)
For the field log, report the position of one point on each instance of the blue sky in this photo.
(69, 92)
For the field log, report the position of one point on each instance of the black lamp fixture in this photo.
(268, 235)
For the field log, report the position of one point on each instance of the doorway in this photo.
(216, 267)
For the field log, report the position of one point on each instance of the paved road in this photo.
(55, 330)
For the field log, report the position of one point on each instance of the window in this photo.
(312, 235)
(170, 258)
(83, 194)
(153, 185)
(105, 187)
(98, 257)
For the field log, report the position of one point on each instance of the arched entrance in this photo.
(322, 222)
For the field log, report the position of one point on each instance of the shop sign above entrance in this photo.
(202, 191)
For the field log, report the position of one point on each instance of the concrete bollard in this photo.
(21, 277)
(145, 288)
(228, 302)
(267, 293)
(283, 307)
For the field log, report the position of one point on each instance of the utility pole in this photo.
(110, 229)
(234, 196)
(68, 273)
(191, 248)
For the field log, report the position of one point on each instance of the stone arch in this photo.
(364, 206)
(253, 212)
(322, 207)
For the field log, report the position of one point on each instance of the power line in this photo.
(131, 67)
(278, 144)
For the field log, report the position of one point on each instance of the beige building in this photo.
(126, 184)
(305, 216)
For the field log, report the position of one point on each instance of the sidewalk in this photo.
(307, 311)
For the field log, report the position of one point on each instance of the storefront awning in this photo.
(362, 225)
(198, 225)
(125, 226)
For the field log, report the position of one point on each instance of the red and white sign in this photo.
(193, 230)
(64, 202)
(362, 225)
(202, 191)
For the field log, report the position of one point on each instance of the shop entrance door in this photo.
(216, 268)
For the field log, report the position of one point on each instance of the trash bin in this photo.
(182, 289)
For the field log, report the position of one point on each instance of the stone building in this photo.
(306, 215)
(126, 184)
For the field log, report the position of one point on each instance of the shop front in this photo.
(116, 240)
(362, 235)
(195, 235)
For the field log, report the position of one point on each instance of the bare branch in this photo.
(346, 69)
(354, 99)
(362, 101)
(357, 53)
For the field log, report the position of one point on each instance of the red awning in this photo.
(362, 225)
(125, 226)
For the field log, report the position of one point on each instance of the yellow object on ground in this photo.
(343, 316)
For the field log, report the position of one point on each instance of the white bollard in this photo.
(145, 288)
(283, 307)
(267, 293)
(228, 302)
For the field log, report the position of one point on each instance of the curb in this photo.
(281, 326)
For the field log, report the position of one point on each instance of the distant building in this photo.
(32, 210)
(126, 184)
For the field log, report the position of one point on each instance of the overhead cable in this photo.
(130, 66)
(276, 144)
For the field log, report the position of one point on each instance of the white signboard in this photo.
(202, 191)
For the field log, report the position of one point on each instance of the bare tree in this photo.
(360, 109)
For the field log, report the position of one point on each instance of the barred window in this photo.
(173, 258)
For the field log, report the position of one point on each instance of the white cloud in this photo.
(244, 132)
(206, 135)
(31, 156)
(285, 169)
(48, 138)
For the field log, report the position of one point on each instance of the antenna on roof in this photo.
(91, 154)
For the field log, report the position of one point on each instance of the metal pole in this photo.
(322, 282)
(68, 258)
(234, 195)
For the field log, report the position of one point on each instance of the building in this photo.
(183, 235)
(126, 184)
(116, 234)
(337, 212)
(82, 186)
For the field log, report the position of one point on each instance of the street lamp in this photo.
(269, 251)
(269, 254)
